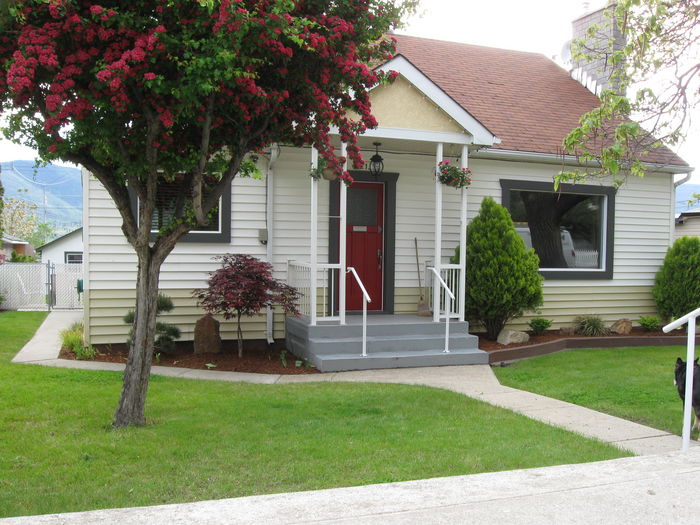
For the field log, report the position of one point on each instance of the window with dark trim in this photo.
(571, 230)
(217, 231)
(73, 257)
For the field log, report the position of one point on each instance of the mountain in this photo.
(57, 191)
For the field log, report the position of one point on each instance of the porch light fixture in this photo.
(376, 162)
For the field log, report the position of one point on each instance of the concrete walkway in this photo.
(661, 486)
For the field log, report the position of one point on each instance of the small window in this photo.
(73, 257)
(570, 230)
(219, 228)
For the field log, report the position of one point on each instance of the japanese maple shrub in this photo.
(159, 91)
(502, 275)
(243, 286)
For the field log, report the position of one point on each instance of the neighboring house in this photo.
(688, 223)
(504, 114)
(67, 249)
(19, 246)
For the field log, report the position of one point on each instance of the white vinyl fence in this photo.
(40, 286)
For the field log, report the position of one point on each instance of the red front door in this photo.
(365, 243)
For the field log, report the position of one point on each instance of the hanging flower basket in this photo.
(323, 171)
(451, 175)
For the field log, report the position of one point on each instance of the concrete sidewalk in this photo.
(477, 381)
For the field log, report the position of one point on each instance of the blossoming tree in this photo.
(174, 91)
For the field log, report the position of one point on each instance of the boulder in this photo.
(567, 330)
(621, 326)
(206, 335)
(508, 336)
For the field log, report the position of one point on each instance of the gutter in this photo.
(550, 158)
(269, 225)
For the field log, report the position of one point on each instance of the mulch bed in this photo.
(268, 361)
(257, 360)
(554, 341)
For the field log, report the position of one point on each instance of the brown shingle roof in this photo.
(525, 99)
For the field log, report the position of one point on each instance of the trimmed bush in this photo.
(650, 324)
(502, 275)
(539, 325)
(676, 288)
(165, 333)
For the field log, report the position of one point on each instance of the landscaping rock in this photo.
(206, 335)
(508, 336)
(621, 326)
(567, 330)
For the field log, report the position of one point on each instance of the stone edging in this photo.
(570, 343)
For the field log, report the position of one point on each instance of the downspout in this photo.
(269, 225)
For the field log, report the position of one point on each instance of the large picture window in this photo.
(571, 230)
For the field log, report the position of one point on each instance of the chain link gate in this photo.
(40, 286)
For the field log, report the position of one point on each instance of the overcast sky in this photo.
(541, 26)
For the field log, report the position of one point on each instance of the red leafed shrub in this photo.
(243, 286)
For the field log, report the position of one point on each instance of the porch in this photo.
(392, 341)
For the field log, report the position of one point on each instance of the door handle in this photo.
(380, 258)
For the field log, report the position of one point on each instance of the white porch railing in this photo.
(450, 299)
(450, 274)
(365, 299)
(299, 276)
(688, 318)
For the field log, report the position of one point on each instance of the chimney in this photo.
(594, 72)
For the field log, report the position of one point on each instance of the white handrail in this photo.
(365, 299)
(689, 368)
(448, 307)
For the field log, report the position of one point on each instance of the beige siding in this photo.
(108, 307)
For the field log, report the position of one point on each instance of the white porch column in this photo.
(437, 257)
(313, 255)
(342, 244)
(462, 292)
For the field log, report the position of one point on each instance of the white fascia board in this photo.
(569, 160)
(482, 136)
(445, 137)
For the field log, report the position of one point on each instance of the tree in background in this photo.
(19, 220)
(503, 277)
(154, 91)
(659, 67)
(243, 286)
(676, 287)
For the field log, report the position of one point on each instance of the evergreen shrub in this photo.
(676, 288)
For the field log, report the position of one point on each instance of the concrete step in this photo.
(434, 357)
(389, 343)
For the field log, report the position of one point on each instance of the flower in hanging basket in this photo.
(324, 170)
(451, 175)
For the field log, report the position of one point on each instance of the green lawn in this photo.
(631, 383)
(211, 440)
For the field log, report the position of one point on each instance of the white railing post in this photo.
(313, 255)
(365, 299)
(438, 232)
(462, 291)
(690, 366)
(449, 297)
(342, 243)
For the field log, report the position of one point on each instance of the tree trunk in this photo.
(131, 409)
(240, 337)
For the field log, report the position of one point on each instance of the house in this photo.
(501, 113)
(11, 244)
(688, 224)
(67, 249)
